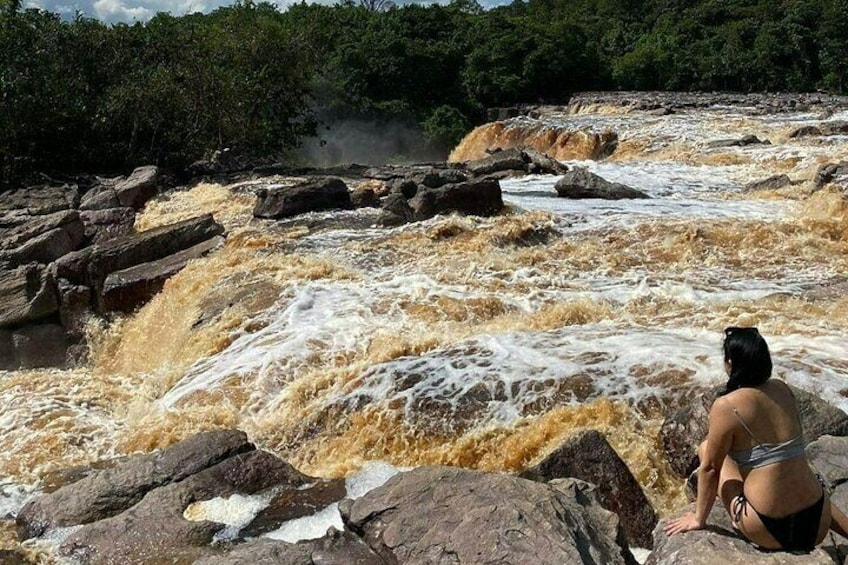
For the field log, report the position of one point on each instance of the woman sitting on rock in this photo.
(754, 458)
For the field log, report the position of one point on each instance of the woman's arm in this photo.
(715, 449)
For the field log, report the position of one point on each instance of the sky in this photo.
(112, 11)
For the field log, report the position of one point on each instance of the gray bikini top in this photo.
(764, 454)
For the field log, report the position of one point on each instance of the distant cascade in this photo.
(559, 142)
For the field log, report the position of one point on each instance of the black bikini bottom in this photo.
(796, 532)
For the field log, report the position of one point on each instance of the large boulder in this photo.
(396, 211)
(450, 515)
(481, 198)
(771, 183)
(141, 186)
(42, 199)
(506, 160)
(295, 503)
(364, 198)
(835, 127)
(111, 491)
(315, 195)
(103, 225)
(40, 345)
(719, 543)
(580, 183)
(336, 548)
(589, 457)
(829, 457)
(157, 530)
(43, 238)
(830, 172)
(27, 294)
(7, 351)
(684, 430)
(127, 289)
(749, 139)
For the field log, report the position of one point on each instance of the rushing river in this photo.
(479, 342)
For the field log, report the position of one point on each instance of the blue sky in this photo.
(141, 10)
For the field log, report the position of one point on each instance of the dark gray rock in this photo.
(741, 142)
(103, 225)
(336, 548)
(830, 172)
(42, 199)
(45, 238)
(74, 307)
(155, 529)
(364, 198)
(805, 131)
(111, 491)
(541, 164)
(7, 351)
(295, 503)
(772, 183)
(480, 198)
(315, 195)
(396, 211)
(580, 183)
(27, 294)
(589, 457)
(436, 178)
(829, 457)
(406, 187)
(141, 186)
(683, 431)
(449, 515)
(128, 289)
(101, 197)
(40, 345)
(719, 543)
(506, 160)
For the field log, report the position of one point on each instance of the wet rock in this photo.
(155, 529)
(805, 131)
(42, 199)
(829, 456)
(437, 178)
(40, 345)
(719, 543)
(480, 198)
(772, 183)
(7, 351)
(364, 198)
(295, 503)
(58, 478)
(315, 195)
(42, 239)
(540, 164)
(589, 457)
(27, 294)
(741, 142)
(506, 160)
(121, 253)
(407, 187)
(128, 289)
(683, 431)
(111, 491)
(103, 225)
(580, 183)
(141, 186)
(452, 515)
(336, 548)
(396, 211)
(830, 172)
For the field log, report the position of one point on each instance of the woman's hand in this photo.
(685, 523)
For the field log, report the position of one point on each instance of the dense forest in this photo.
(81, 95)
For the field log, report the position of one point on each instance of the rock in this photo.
(155, 530)
(457, 516)
(507, 160)
(741, 142)
(7, 351)
(43, 199)
(111, 491)
(336, 548)
(45, 238)
(364, 198)
(480, 198)
(90, 268)
(804, 131)
(103, 225)
(588, 457)
(74, 307)
(829, 456)
(127, 289)
(101, 197)
(580, 183)
(295, 503)
(830, 172)
(396, 211)
(407, 187)
(140, 187)
(683, 431)
(40, 345)
(772, 183)
(315, 195)
(540, 164)
(436, 178)
(27, 294)
(13, 557)
(719, 543)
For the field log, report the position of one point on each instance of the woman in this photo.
(754, 459)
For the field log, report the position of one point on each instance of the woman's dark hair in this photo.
(750, 361)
